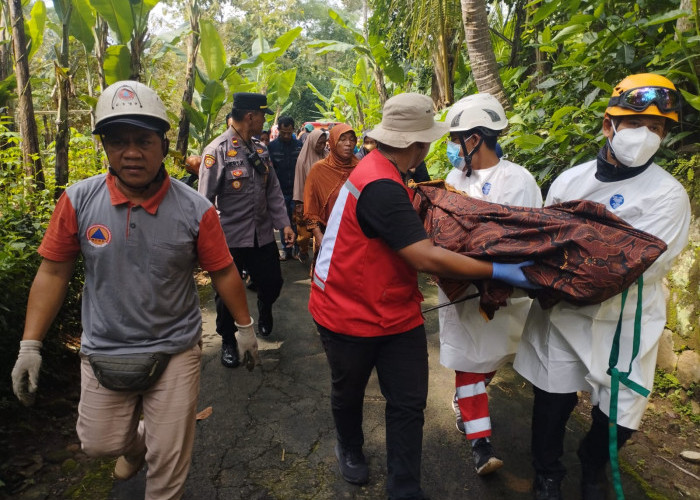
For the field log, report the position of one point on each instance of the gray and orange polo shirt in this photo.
(139, 293)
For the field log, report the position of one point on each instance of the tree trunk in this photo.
(685, 23)
(101, 32)
(91, 93)
(379, 84)
(62, 129)
(47, 130)
(183, 133)
(5, 67)
(25, 106)
(480, 50)
(5, 40)
(518, 20)
(137, 44)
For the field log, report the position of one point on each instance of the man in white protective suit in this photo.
(608, 349)
(470, 344)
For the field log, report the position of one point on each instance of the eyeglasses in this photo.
(641, 98)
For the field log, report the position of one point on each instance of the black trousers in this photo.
(401, 362)
(263, 265)
(550, 413)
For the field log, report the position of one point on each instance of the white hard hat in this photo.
(478, 110)
(132, 103)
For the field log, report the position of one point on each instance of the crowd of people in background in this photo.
(343, 207)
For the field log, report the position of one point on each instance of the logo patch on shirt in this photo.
(231, 153)
(234, 141)
(616, 200)
(486, 188)
(237, 173)
(98, 235)
(259, 151)
(236, 184)
(209, 160)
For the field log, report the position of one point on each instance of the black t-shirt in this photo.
(384, 211)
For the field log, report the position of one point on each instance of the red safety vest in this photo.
(360, 286)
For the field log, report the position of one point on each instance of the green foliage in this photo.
(574, 53)
(667, 385)
(217, 81)
(124, 17)
(117, 63)
(23, 220)
(34, 27)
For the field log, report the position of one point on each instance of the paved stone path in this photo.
(270, 434)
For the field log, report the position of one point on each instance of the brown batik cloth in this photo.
(582, 253)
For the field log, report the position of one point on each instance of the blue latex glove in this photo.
(513, 274)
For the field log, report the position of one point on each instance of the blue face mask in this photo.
(453, 151)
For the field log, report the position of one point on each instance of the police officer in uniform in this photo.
(236, 174)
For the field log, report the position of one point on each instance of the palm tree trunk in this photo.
(480, 50)
(25, 106)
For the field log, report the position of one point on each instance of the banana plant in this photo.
(371, 48)
(128, 21)
(354, 99)
(216, 82)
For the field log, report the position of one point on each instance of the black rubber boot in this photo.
(264, 318)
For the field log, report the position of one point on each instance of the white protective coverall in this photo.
(567, 348)
(468, 341)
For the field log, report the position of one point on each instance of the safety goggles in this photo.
(641, 98)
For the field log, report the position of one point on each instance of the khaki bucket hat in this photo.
(408, 118)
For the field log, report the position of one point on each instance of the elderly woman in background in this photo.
(314, 149)
(326, 178)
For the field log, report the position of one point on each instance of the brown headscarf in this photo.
(307, 157)
(325, 180)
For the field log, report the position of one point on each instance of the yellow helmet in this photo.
(645, 94)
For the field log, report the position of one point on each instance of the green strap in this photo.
(618, 377)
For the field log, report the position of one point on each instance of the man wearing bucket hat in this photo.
(236, 174)
(365, 298)
(608, 349)
(141, 235)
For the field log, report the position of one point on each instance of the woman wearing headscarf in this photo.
(312, 151)
(327, 177)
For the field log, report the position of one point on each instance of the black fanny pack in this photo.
(128, 372)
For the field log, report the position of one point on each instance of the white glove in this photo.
(247, 345)
(25, 374)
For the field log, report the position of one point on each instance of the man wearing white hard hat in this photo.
(470, 344)
(141, 235)
(365, 298)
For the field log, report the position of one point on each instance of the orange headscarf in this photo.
(325, 180)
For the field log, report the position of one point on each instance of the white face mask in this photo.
(634, 147)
